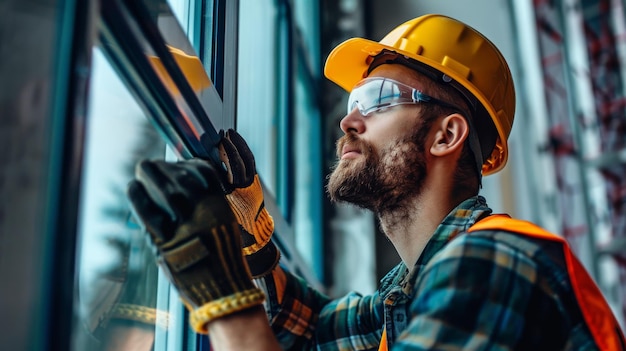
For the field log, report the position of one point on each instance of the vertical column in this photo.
(604, 137)
(46, 48)
(560, 140)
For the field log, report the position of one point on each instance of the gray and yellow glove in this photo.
(245, 196)
(196, 237)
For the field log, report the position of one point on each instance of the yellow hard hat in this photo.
(461, 56)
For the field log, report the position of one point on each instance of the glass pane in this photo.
(257, 86)
(174, 20)
(116, 291)
(158, 60)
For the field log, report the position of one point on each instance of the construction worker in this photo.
(430, 109)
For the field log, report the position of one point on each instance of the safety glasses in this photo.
(377, 94)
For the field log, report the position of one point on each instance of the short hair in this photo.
(467, 176)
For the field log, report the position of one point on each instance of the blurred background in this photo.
(91, 87)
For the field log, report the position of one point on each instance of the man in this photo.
(431, 106)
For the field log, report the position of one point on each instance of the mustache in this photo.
(351, 139)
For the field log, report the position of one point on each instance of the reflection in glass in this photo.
(172, 79)
(116, 294)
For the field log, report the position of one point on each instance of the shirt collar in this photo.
(457, 221)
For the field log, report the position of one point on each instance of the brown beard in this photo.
(378, 182)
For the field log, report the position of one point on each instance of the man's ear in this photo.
(450, 134)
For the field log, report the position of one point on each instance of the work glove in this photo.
(196, 238)
(245, 196)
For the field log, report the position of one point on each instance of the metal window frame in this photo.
(53, 326)
(125, 27)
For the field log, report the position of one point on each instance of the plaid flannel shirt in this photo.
(488, 291)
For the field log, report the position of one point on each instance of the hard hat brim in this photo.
(347, 64)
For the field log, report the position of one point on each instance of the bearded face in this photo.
(378, 180)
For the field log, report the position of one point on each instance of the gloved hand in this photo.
(245, 196)
(196, 237)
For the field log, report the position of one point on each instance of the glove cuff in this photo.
(262, 230)
(212, 310)
(263, 261)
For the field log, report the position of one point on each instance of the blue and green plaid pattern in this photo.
(484, 291)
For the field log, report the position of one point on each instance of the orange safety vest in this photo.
(595, 310)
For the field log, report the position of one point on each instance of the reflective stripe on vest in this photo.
(595, 310)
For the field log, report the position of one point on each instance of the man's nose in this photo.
(353, 122)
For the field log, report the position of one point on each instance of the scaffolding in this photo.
(582, 56)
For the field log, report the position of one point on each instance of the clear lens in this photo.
(373, 94)
(377, 93)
